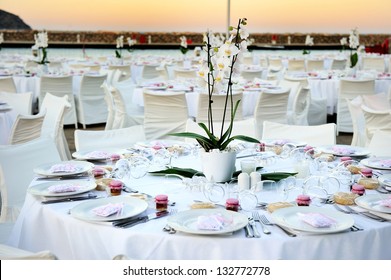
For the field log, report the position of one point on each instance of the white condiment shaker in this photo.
(244, 181)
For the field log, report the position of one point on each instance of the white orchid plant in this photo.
(183, 46)
(309, 41)
(354, 43)
(1, 39)
(219, 70)
(41, 43)
(120, 45)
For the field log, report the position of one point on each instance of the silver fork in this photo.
(366, 214)
(258, 219)
(267, 222)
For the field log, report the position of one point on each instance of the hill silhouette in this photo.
(9, 21)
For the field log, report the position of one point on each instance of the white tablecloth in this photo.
(50, 227)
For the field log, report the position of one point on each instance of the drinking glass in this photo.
(248, 165)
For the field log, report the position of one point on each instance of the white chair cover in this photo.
(89, 140)
(184, 73)
(339, 64)
(26, 128)
(153, 72)
(250, 75)
(380, 144)
(16, 169)
(315, 64)
(124, 73)
(373, 63)
(296, 65)
(53, 124)
(349, 89)
(300, 108)
(60, 86)
(318, 135)
(13, 253)
(91, 108)
(110, 107)
(359, 134)
(272, 106)
(218, 107)
(378, 101)
(7, 84)
(164, 113)
(376, 120)
(21, 103)
(295, 87)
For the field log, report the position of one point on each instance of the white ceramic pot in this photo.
(218, 166)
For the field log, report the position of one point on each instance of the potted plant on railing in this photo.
(218, 71)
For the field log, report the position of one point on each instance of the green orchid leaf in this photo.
(276, 176)
(353, 60)
(183, 172)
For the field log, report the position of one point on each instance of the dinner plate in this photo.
(385, 180)
(282, 142)
(372, 202)
(289, 217)
(345, 150)
(131, 207)
(43, 188)
(80, 167)
(377, 162)
(186, 221)
(99, 154)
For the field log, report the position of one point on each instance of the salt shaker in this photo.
(244, 181)
(255, 177)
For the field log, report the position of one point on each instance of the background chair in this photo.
(300, 107)
(379, 145)
(373, 63)
(16, 172)
(359, 134)
(164, 113)
(124, 72)
(90, 104)
(21, 103)
(349, 89)
(376, 120)
(7, 84)
(272, 106)
(154, 73)
(317, 135)
(26, 128)
(315, 64)
(110, 106)
(296, 65)
(218, 107)
(53, 123)
(339, 64)
(185, 73)
(60, 86)
(89, 140)
(250, 75)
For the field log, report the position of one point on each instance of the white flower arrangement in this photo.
(354, 43)
(183, 45)
(41, 43)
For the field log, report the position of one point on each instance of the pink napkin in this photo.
(64, 168)
(317, 220)
(343, 150)
(64, 188)
(108, 209)
(385, 163)
(98, 154)
(212, 222)
(386, 202)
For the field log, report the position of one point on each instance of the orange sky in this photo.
(326, 16)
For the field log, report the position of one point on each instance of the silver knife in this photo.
(68, 199)
(139, 220)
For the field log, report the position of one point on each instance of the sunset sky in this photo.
(279, 16)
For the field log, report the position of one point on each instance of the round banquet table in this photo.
(51, 227)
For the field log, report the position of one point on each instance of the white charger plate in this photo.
(271, 142)
(376, 162)
(372, 202)
(355, 151)
(42, 189)
(186, 221)
(44, 169)
(288, 217)
(131, 207)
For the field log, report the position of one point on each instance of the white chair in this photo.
(21, 103)
(7, 84)
(53, 123)
(296, 65)
(271, 106)
(125, 112)
(110, 107)
(339, 64)
(373, 63)
(124, 72)
(295, 87)
(89, 140)
(379, 145)
(91, 108)
(154, 72)
(378, 101)
(275, 64)
(16, 172)
(300, 107)
(315, 64)
(250, 75)
(349, 89)
(184, 73)
(60, 86)
(13, 253)
(317, 135)
(359, 134)
(164, 113)
(376, 120)
(26, 128)
(218, 107)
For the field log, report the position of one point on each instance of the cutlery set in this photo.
(366, 214)
(70, 199)
(126, 223)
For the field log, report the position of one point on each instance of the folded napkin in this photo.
(98, 154)
(212, 222)
(385, 163)
(343, 150)
(385, 202)
(64, 168)
(108, 209)
(64, 188)
(317, 220)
